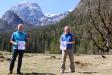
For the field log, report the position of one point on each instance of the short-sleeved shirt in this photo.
(69, 37)
(18, 36)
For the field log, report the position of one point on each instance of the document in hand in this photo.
(21, 45)
(63, 45)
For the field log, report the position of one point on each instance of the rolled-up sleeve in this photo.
(12, 37)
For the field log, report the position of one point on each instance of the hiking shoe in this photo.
(10, 72)
(72, 71)
(19, 72)
(62, 71)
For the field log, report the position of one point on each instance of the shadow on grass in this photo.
(88, 72)
(37, 74)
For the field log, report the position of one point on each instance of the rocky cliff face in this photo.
(12, 18)
(31, 13)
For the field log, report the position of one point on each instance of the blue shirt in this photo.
(18, 36)
(67, 38)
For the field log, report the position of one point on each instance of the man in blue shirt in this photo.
(68, 39)
(15, 38)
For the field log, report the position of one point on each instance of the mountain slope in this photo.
(12, 18)
(30, 12)
(80, 22)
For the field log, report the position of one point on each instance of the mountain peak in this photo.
(26, 5)
(31, 13)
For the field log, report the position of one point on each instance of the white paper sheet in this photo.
(21, 45)
(63, 45)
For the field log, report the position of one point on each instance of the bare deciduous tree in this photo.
(101, 24)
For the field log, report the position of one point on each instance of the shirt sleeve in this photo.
(61, 38)
(73, 37)
(12, 37)
(27, 37)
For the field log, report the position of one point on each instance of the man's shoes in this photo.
(10, 72)
(72, 71)
(62, 71)
(19, 73)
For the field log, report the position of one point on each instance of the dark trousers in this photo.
(20, 56)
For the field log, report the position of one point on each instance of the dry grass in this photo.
(42, 64)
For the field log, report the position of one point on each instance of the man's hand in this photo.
(15, 43)
(27, 45)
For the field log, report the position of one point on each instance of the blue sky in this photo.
(47, 6)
